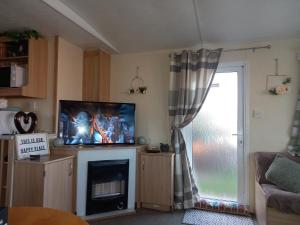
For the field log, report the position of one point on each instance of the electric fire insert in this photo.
(107, 186)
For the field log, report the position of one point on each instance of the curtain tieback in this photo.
(173, 128)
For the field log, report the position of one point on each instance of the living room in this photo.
(138, 37)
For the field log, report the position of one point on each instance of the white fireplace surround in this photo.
(98, 154)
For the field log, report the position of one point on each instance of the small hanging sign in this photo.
(31, 144)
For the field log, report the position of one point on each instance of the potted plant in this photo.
(19, 41)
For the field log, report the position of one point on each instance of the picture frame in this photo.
(31, 144)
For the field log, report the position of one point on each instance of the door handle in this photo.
(240, 139)
(240, 135)
(70, 169)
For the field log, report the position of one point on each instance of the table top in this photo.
(42, 216)
(45, 159)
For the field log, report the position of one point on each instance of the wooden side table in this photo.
(42, 216)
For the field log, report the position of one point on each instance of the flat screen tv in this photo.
(96, 123)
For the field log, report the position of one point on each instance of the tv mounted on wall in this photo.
(96, 123)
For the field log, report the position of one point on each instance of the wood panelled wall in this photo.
(96, 76)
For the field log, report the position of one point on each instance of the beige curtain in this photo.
(191, 75)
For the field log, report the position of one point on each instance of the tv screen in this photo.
(94, 123)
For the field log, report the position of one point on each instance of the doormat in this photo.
(223, 206)
(201, 217)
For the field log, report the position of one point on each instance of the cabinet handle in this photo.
(143, 164)
(70, 169)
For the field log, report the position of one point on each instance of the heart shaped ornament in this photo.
(25, 122)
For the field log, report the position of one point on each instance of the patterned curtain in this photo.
(191, 75)
(294, 144)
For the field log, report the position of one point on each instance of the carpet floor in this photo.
(201, 217)
(145, 217)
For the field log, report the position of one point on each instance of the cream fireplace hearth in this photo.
(105, 181)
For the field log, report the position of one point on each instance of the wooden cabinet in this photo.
(46, 182)
(96, 76)
(6, 170)
(36, 61)
(156, 181)
(139, 150)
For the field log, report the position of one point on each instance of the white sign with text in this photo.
(31, 144)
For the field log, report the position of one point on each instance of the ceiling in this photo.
(123, 26)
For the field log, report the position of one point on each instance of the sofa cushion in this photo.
(281, 200)
(263, 161)
(284, 173)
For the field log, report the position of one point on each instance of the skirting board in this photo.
(107, 215)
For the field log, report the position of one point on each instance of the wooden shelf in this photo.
(16, 58)
(37, 65)
(10, 92)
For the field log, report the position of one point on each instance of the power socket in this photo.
(257, 114)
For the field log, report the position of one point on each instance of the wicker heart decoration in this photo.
(25, 118)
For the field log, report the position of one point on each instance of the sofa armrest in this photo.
(260, 205)
(263, 161)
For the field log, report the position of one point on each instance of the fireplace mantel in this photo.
(97, 154)
(73, 150)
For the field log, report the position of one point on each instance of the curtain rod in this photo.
(250, 48)
(243, 49)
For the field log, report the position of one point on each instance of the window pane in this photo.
(214, 142)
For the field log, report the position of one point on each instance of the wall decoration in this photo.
(26, 119)
(31, 144)
(278, 84)
(137, 84)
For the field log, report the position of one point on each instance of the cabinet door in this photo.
(156, 180)
(90, 82)
(58, 185)
(96, 76)
(28, 184)
(37, 69)
(104, 76)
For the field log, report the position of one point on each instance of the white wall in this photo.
(270, 133)
(151, 108)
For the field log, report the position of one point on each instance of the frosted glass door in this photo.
(216, 134)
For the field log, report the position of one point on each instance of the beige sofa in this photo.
(274, 206)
